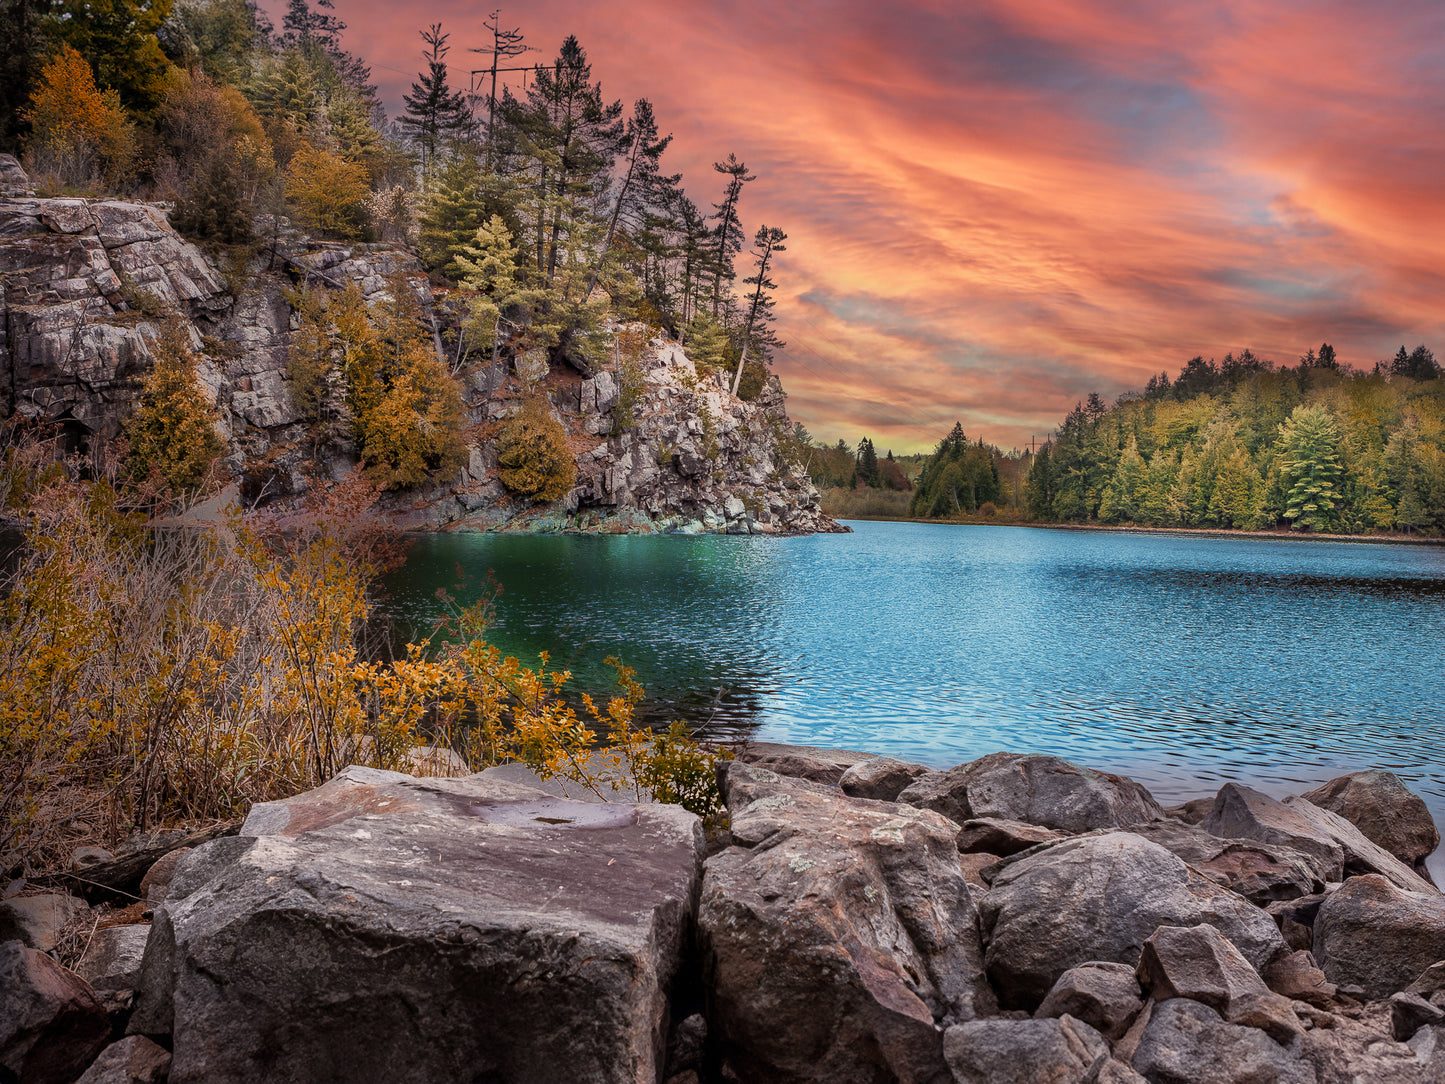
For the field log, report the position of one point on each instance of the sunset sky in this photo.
(996, 207)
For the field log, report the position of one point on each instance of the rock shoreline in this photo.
(1015, 918)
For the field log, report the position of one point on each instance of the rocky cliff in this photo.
(84, 284)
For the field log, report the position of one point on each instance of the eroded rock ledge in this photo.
(84, 284)
(1015, 919)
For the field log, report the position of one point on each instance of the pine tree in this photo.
(453, 215)
(757, 331)
(435, 115)
(728, 235)
(1309, 463)
(172, 432)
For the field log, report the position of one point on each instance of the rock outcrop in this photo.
(1379, 805)
(483, 930)
(390, 928)
(86, 283)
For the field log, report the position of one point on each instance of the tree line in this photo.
(1314, 446)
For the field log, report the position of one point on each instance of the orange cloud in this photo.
(994, 209)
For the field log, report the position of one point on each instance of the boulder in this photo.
(1361, 855)
(1383, 809)
(1428, 1047)
(1003, 1051)
(879, 778)
(1192, 811)
(1242, 812)
(1040, 790)
(1186, 1042)
(157, 880)
(802, 761)
(1411, 1012)
(1347, 1051)
(396, 929)
(1431, 981)
(112, 959)
(133, 1060)
(1295, 976)
(1371, 934)
(51, 1026)
(1003, 838)
(1260, 872)
(838, 935)
(1098, 898)
(1105, 996)
(36, 921)
(1199, 963)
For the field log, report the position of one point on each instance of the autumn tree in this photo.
(78, 132)
(172, 432)
(118, 39)
(328, 193)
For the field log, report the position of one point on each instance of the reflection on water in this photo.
(1182, 661)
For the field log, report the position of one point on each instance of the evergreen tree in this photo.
(728, 235)
(452, 216)
(757, 331)
(1309, 463)
(866, 468)
(643, 187)
(172, 432)
(435, 115)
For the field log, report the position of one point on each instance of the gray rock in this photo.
(1431, 980)
(1002, 1051)
(476, 923)
(36, 921)
(1192, 811)
(13, 179)
(837, 936)
(84, 857)
(1098, 898)
(1428, 1047)
(157, 880)
(879, 778)
(1260, 872)
(1040, 790)
(1242, 812)
(133, 1060)
(1105, 996)
(112, 959)
(803, 761)
(1361, 855)
(993, 836)
(1383, 809)
(51, 1026)
(1371, 934)
(1187, 1042)
(1411, 1012)
(1347, 1051)
(1197, 962)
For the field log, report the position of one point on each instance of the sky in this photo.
(994, 207)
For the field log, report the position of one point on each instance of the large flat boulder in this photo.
(1372, 934)
(880, 778)
(839, 936)
(1382, 807)
(396, 929)
(1041, 790)
(1097, 898)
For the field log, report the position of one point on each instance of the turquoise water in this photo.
(1181, 661)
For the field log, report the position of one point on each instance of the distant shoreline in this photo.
(1202, 532)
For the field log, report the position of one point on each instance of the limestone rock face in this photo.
(395, 929)
(1186, 1042)
(1098, 898)
(51, 1025)
(1379, 805)
(838, 935)
(1372, 934)
(1040, 790)
(84, 285)
(1003, 1051)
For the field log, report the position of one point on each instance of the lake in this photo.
(1182, 661)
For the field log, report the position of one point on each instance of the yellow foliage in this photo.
(327, 193)
(534, 457)
(79, 132)
(415, 428)
(172, 431)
